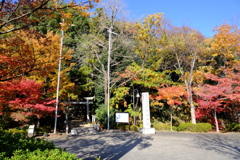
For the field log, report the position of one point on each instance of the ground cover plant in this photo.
(15, 146)
(199, 127)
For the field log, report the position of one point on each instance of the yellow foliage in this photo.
(44, 52)
(215, 54)
(31, 52)
(226, 43)
(148, 39)
(156, 103)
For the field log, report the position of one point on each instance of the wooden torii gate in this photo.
(87, 104)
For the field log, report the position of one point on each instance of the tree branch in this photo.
(21, 16)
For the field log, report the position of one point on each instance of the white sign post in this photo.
(146, 115)
(31, 130)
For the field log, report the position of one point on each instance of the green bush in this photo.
(162, 126)
(15, 130)
(199, 127)
(48, 154)
(102, 114)
(233, 127)
(134, 128)
(5, 121)
(42, 130)
(11, 142)
(126, 127)
(123, 127)
(2, 155)
(16, 146)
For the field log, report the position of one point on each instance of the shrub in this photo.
(123, 127)
(101, 115)
(199, 127)
(42, 130)
(16, 146)
(234, 127)
(162, 126)
(15, 130)
(5, 121)
(48, 154)
(11, 142)
(134, 128)
(2, 155)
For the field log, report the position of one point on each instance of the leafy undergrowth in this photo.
(233, 127)
(17, 146)
(199, 127)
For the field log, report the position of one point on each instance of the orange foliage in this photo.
(174, 95)
(28, 53)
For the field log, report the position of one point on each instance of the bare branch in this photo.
(2, 4)
(19, 17)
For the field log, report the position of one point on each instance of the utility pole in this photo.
(58, 81)
(108, 74)
(113, 14)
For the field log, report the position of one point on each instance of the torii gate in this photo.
(87, 103)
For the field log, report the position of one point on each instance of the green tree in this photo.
(96, 47)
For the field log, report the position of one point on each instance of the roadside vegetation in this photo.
(193, 81)
(15, 145)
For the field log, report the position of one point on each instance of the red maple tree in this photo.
(223, 95)
(23, 99)
(210, 98)
(173, 95)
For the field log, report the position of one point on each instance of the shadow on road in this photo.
(226, 144)
(107, 145)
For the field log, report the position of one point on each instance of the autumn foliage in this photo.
(226, 45)
(184, 72)
(16, 15)
(28, 52)
(173, 95)
(23, 99)
(221, 94)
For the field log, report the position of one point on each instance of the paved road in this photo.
(114, 145)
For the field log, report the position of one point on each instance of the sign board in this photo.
(31, 130)
(122, 117)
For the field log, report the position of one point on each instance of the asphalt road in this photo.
(114, 145)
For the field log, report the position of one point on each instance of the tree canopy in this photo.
(189, 77)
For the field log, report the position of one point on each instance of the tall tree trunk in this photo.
(192, 109)
(216, 120)
(188, 83)
(190, 101)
